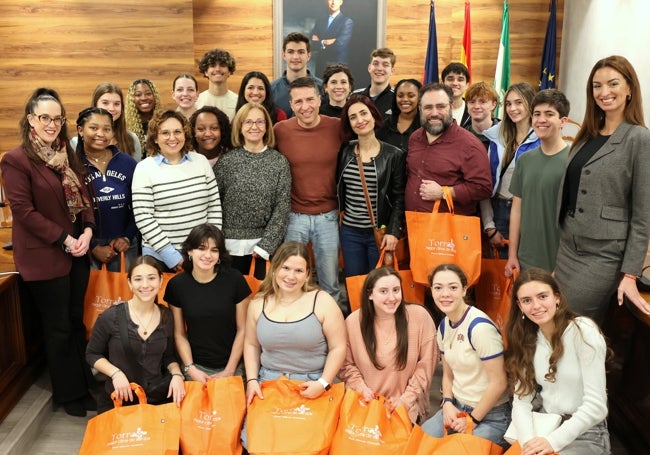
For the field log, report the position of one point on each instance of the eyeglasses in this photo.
(167, 134)
(437, 107)
(46, 119)
(259, 123)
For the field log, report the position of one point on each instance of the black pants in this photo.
(60, 304)
(243, 264)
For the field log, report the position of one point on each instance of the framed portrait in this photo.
(359, 27)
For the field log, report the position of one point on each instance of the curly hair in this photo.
(152, 146)
(519, 356)
(125, 142)
(132, 114)
(225, 144)
(211, 58)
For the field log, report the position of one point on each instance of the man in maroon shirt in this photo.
(441, 153)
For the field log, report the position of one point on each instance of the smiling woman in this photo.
(142, 103)
(187, 180)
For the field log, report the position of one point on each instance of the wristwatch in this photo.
(187, 367)
(326, 385)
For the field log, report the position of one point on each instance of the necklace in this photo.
(99, 159)
(145, 329)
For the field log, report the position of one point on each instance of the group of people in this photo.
(227, 181)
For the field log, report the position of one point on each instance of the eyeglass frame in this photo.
(61, 119)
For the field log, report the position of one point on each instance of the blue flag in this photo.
(547, 70)
(431, 62)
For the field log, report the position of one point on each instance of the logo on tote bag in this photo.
(129, 439)
(207, 419)
(298, 413)
(367, 435)
(441, 247)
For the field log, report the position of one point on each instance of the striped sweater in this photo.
(170, 200)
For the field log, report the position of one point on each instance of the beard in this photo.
(435, 130)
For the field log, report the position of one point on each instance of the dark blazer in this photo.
(390, 165)
(340, 29)
(40, 216)
(614, 194)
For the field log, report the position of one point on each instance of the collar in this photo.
(160, 159)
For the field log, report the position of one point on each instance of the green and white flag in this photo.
(502, 72)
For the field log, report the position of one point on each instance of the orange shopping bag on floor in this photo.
(212, 416)
(285, 422)
(370, 427)
(494, 290)
(134, 430)
(413, 292)
(438, 237)
(421, 443)
(253, 282)
(104, 290)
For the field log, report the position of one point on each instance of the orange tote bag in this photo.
(370, 427)
(421, 443)
(494, 290)
(104, 290)
(438, 237)
(134, 430)
(212, 416)
(285, 422)
(253, 282)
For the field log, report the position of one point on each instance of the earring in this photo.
(189, 258)
(523, 316)
(219, 261)
(629, 96)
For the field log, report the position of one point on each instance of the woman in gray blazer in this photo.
(604, 204)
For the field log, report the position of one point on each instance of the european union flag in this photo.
(431, 62)
(547, 71)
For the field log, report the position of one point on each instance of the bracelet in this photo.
(474, 419)
(178, 374)
(447, 400)
(252, 379)
(493, 234)
(631, 277)
(187, 367)
(115, 372)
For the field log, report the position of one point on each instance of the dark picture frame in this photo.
(369, 31)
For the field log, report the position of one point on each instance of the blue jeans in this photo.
(360, 254)
(322, 231)
(593, 441)
(492, 427)
(501, 209)
(266, 374)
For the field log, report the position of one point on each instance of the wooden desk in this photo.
(21, 355)
(628, 377)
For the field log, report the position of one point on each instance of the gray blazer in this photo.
(614, 194)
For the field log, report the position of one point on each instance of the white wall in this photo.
(594, 29)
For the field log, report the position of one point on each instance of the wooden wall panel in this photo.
(72, 45)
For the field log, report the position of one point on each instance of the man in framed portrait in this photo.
(331, 37)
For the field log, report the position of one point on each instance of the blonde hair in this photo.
(236, 135)
(132, 114)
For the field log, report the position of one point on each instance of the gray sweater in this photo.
(255, 191)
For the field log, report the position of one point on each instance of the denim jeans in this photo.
(501, 209)
(593, 441)
(323, 232)
(266, 374)
(492, 427)
(360, 254)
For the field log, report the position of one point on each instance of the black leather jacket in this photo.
(390, 165)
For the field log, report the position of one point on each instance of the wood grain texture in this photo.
(72, 45)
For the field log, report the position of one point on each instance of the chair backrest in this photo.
(570, 130)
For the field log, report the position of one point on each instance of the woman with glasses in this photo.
(173, 190)
(255, 183)
(108, 176)
(256, 88)
(142, 103)
(53, 225)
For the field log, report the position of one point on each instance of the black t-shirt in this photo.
(209, 310)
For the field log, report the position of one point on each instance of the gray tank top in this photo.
(292, 347)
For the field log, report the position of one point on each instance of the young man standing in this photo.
(381, 68)
(296, 52)
(456, 76)
(534, 237)
(217, 66)
(481, 100)
(311, 143)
